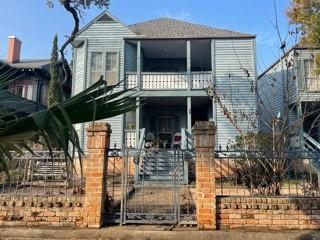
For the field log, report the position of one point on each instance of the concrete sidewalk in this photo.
(151, 233)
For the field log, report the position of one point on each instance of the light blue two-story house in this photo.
(170, 64)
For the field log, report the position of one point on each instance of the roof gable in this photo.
(171, 28)
(104, 17)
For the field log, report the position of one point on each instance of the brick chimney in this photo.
(14, 47)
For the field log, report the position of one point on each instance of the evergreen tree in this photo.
(54, 89)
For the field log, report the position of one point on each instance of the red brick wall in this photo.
(268, 213)
(204, 143)
(66, 211)
(214, 211)
(41, 211)
(95, 172)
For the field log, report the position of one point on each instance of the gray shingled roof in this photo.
(32, 63)
(171, 28)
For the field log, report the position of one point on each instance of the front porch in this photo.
(165, 123)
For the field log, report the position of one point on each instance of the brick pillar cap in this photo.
(204, 126)
(99, 127)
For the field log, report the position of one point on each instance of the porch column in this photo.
(189, 114)
(214, 111)
(318, 130)
(139, 65)
(300, 133)
(189, 78)
(213, 79)
(137, 121)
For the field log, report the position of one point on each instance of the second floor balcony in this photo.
(169, 64)
(169, 81)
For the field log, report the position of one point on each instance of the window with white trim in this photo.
(30, 92)
(96, 66)
(130, 120)
(112, 67)
(312, 79)
(20, 90)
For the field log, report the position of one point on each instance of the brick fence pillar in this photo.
(204, 144)
(95, 174)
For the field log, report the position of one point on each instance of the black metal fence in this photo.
(267, 174)
(40, 174)
(114, 189)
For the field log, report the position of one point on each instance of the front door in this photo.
(165, 131)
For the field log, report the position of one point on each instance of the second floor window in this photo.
(106, 64)
(111, 68)
(96, 66)
(130, 120)
(30, 92)
(25, 91)
(312, 80)
(20, 91)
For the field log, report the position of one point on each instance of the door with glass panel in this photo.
(165, 131)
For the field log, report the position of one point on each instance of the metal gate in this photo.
(156, 186)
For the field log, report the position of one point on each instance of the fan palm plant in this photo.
(55, 125)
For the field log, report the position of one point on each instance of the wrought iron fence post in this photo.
(123, 190)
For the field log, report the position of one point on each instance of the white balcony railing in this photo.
(164, 81)
(131, 80)
(201, 80)
(152, 81)
(130, 138)
(313, 84)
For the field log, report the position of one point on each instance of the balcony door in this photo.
(165, 127)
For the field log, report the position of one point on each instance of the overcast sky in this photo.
(35, 24)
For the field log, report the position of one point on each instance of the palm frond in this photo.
(55, 125)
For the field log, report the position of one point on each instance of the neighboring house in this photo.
(289, 90)
(170, 64)
(33, 83)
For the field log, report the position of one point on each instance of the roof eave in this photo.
(284, 55)
(185, 38)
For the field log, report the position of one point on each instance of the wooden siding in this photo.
(79, 70)
(77, 83)
(105, 37)
(271, 95)
(234, 87)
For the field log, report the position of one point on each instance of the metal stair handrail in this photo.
(314, 146)
(141, 138)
